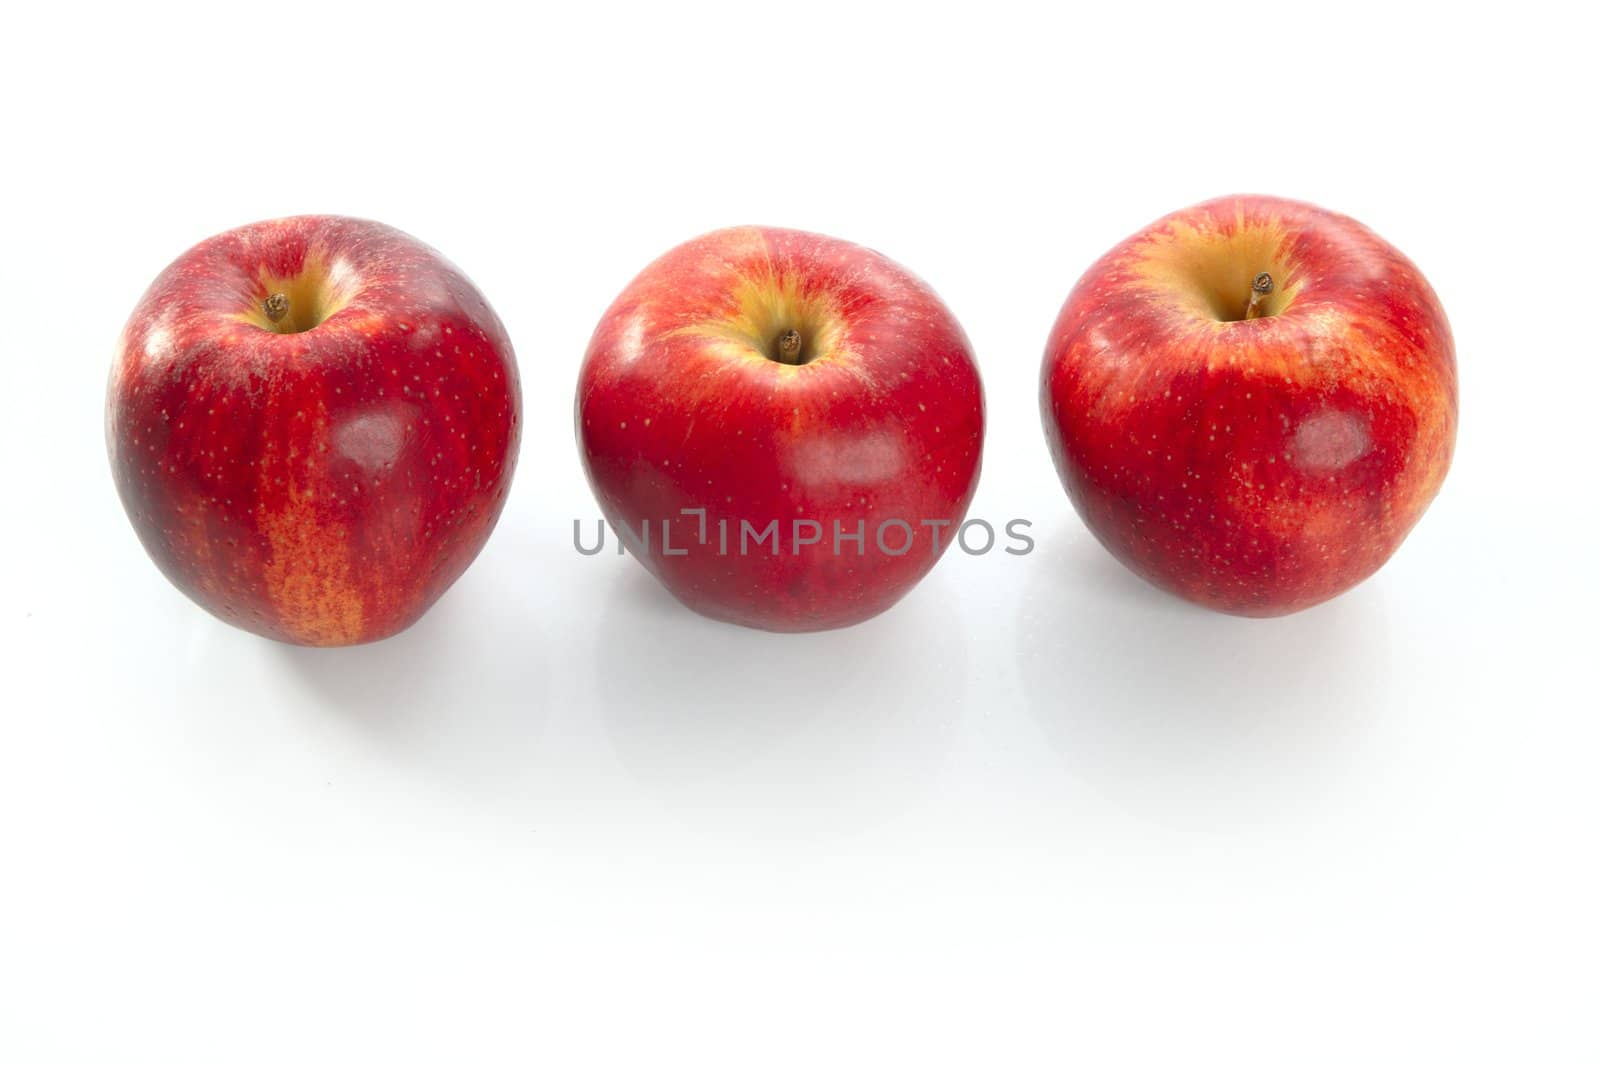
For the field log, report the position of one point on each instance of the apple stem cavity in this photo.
(1260, 289)
(788, 348)
(275, 307)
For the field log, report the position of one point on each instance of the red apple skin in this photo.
(679, 407)
(321, 487)
(1253, 466)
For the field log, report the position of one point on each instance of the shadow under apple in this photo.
(779, 734)
(460, 694)
(1187, 716)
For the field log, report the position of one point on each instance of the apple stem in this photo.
(275, 306)
(788, 347)
(1260, 289)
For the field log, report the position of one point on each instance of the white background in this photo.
(1038, 812)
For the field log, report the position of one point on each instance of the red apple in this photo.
(1251, 402)
(312, 424)
(785, 383)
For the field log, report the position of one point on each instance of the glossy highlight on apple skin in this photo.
(319, 468)
(687, 401)
(1253, 465)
